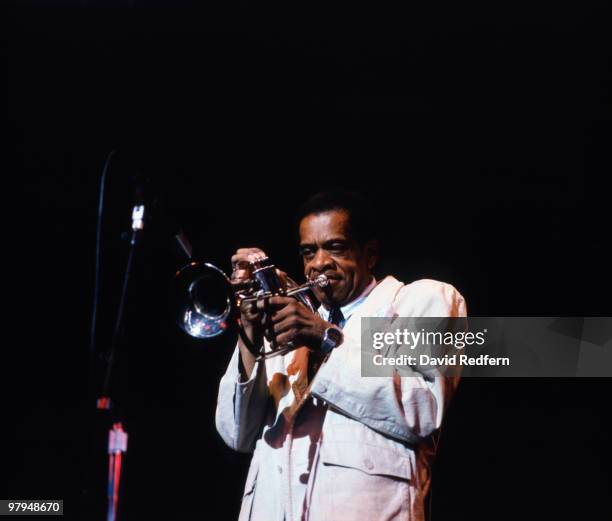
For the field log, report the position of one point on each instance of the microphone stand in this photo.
(117, 437)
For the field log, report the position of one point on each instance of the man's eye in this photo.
(306, 253)
(337, 247)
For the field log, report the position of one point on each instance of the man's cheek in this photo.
(319, 294)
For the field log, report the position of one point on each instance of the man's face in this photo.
(326, 249)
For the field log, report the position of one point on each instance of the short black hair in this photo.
(362, 216)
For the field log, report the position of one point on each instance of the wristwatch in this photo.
(332, 338)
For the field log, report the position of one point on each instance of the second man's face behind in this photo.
(326, 248)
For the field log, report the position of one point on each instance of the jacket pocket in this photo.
(374, 460)
(357, 480)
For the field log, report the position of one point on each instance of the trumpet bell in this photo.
(204, 300)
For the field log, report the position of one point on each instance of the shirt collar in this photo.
(352, 306)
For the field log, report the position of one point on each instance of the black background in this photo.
(478, 130)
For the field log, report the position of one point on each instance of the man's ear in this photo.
(372, 251)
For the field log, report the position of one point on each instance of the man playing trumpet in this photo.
(329, 444)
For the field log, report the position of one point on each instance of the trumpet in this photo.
(207, 301)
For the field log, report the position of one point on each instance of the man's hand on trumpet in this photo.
(242, 271)
(253, 320)
(290, 322)
(250, 316)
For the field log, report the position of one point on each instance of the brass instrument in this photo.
(207, 300)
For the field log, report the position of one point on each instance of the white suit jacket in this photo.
(365, 452)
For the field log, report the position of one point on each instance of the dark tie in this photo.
(336, 317)
(315, 359)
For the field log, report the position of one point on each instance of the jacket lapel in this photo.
(377, 300)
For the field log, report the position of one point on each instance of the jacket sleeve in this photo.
(241, 406)
(405, 408)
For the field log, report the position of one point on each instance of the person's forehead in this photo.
(320, 226)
